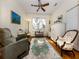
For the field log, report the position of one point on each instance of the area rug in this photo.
(41, 49)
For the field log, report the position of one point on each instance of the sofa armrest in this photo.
(20, 56)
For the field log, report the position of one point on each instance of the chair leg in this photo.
(56, 44)
(73, 53)
(61, 52)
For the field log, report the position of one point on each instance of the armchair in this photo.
(66, 43)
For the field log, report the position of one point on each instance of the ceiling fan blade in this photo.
(38, 9)
(43, 9)
(38, 0)
(46, 4)
(34, 5)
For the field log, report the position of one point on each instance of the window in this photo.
(38, 23)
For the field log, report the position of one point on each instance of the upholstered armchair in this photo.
(66, 43)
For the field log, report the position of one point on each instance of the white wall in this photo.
(31, 16)
(67, 4)
(72, 19)
(5, 19)
(7, 6)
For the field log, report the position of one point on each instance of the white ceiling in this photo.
(26, 4)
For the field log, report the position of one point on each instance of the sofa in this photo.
(10, 49)
(16, 50)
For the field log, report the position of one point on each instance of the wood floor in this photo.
(65, 54)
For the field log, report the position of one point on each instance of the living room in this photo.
(56, 11)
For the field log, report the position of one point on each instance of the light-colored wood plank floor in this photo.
(65, 55)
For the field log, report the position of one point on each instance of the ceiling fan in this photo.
(40, 5)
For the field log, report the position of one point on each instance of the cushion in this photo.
(68, 46)
(7, 33)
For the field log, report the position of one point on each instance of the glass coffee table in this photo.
(40, 48)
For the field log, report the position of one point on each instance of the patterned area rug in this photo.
(41, 49)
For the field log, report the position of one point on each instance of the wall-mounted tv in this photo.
(15, 18)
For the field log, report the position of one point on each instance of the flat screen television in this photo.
(15, 18)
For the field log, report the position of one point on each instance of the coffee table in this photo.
(41, 49)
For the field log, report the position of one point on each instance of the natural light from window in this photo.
(38, 23)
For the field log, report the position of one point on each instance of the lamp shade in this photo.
(58, 29)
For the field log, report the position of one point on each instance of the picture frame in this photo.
(15, 18)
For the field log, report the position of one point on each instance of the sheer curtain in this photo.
(38, 24)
